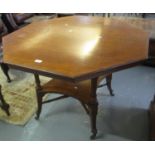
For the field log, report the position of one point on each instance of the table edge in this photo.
(81, 77)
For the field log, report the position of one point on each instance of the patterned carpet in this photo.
(20, 95)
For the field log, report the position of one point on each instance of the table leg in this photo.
(39, 95)
(93, 108)
(3, 104)
(5, 69)
(108, 81)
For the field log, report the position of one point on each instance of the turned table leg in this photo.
(5, 69)
(108, 81)
(39, 95)
(93, 108)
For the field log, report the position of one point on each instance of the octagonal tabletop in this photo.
(76, 47)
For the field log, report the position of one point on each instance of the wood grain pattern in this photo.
(75, 48)
(146, 24)
(80, 91)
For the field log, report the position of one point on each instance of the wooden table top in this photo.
(147, 24)
(75, 48)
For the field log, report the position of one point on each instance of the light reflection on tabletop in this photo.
(64, 44)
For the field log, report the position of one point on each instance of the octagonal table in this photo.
(75, 49)
(147, 24)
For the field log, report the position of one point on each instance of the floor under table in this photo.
(122, 117)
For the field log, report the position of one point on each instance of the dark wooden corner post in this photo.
(108, 82)
(5, 69)
(39, 95)
(93, 107)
